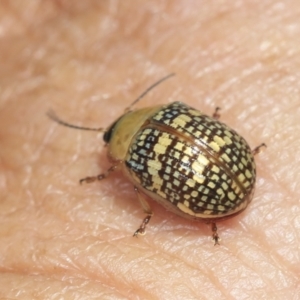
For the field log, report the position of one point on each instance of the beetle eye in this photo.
(109, 132)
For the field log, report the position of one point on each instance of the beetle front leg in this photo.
(142, 229)
(98, 177)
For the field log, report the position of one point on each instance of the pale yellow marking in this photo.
(169, 185)
(211, 185)
(215, 169)
(234, 168)
(233, 185)
(214, 146)
(228, 151)
(164, 140)
(241, 178)
(168, 170)
(244, 162)
(166, 177)
(241, 166)
(186, 203)
(185, 117)
(227, 140)
(194, 194)
(237, 189)
(153, 167)
(188, 211)
(225, 186)
(142, 137)
(190, 183)
(228, 133)
(177, 155)
(231, 196)
(202, 160)
(160, 149)
(159, 115)
(197, 134)
(186, 196)
(221, 207)
(170, 161)
(210, 207)
(199, 179)
(176, 182)
(248, 174)
(195, 113)
(135, 156)
(185, 159)
(157, 180)
(197, 167)
(188, 151)
(204, 198)
(225, 157)
(200, 128)
(215, 177)
(176, 174)
(181, 121)
(246, 184)
(206, 191)
(221, 193)
(219, 141)
(179, 146)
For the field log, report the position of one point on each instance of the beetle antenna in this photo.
(52, 115)
(148, 90)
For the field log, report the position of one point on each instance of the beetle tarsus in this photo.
(216, 114)
(88, 179)
(142, 228)
(258, 149)
(215, 235)
(98, 177)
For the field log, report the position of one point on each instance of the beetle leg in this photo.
(142, 229)
(98, 177)
(215, 235)
(216, 114)
(258, 149)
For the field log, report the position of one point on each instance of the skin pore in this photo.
(88, 60)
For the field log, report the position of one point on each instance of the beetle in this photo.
(191, 163)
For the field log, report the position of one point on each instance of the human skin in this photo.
(89, 60)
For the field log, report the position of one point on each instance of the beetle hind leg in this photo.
(215, 235)
(258, 149)
(98, 177)
(146, 207)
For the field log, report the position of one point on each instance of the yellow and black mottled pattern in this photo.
(193, 161)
